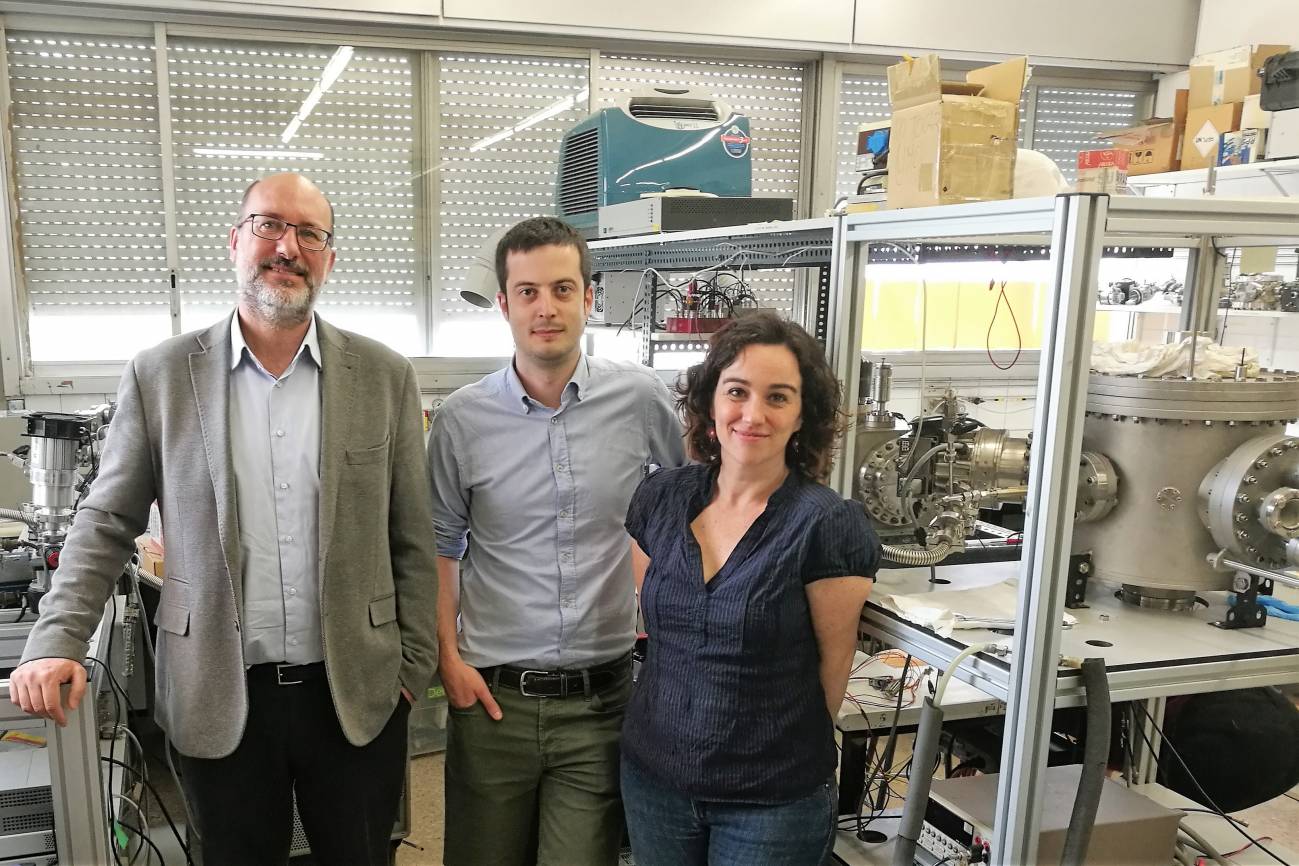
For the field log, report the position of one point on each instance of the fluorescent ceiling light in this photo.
(261, 154)
(559, 106)
(328, 76)
(335, 66)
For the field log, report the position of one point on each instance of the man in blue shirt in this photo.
(532, 470)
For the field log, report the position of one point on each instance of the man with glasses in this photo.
(297, 616)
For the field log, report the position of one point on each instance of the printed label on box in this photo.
(1206, 139)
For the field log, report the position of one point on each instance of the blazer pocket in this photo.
(173, 618)
(361, 456)
(383, 610)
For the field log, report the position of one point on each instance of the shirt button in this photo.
(279, 433)
(567, 555)
(564, 513)
(559, 467)
(554, 420)
(293, 590)
(284, 485)
(287, 539)
(293, 641)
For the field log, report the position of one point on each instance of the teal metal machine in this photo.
(650, 143)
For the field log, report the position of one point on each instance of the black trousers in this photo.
(347, 795)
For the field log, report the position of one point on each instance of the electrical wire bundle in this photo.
(888, 685)
(708, 294)
(119, 841)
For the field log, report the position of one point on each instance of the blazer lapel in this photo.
(338, 386)
(209, 371)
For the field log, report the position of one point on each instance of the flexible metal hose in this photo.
(905, 554)
(12, 514)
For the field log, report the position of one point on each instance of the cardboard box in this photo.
(1229, 76)
(151, 556)
(1242, 147)
(1252, 116)
(1152, 147)
(1204, 129)
(1103, 170)
(953, 142)
(1283, 137)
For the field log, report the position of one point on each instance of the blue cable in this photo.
(1276, 607)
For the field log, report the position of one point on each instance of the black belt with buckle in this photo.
(290, 675)
(534, 683)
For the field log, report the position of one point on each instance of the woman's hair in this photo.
(811, 450)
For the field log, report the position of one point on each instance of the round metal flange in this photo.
(1157, 599)
(1272, 396)
(877, 484)
(1098, 488)
(1247, 503)
(1279, 513)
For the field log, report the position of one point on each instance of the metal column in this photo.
(1206, 275)
(1053, 478)
(843, 330)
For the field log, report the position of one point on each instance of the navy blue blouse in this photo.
(729, 704)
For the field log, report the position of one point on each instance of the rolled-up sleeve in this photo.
(450, 496)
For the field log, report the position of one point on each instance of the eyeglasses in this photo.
(272, 229)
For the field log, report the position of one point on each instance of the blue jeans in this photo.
(668, 828)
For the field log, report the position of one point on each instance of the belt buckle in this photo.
(523, 683)
(279, 676)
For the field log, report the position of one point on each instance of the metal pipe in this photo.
(1222, 563)
(905, 491)
(12, 514)
(923, 755)
(994, 493)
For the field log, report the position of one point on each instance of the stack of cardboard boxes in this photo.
(1225, 125)
(1217, 121)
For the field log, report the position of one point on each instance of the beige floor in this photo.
(1278, 819)
(426, 813)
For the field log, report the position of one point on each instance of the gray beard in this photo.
(270, 304)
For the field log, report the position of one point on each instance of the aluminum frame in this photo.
(1080, 226)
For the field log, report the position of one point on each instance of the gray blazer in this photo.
(170, 441)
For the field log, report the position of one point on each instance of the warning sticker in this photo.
(735, 141)
(1206, 140)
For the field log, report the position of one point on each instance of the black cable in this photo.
(163, 806)
(1208, 800)
(117, 721)
(144, 838)
(886, 757)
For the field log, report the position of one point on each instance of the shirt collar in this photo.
(310, 344)
(519, 396)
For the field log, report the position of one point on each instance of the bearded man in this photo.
(297, 617)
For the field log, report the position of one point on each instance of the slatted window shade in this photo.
(862, 99)
(88, 174)
(501, 121)
(232, 105)
(769, 94)
(1067, 120)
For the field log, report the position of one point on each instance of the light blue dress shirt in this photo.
(275, 442)
(532, 500)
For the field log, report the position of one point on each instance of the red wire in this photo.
(1019, 338)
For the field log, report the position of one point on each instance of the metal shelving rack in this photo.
(806, 243)
(1076, 228)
